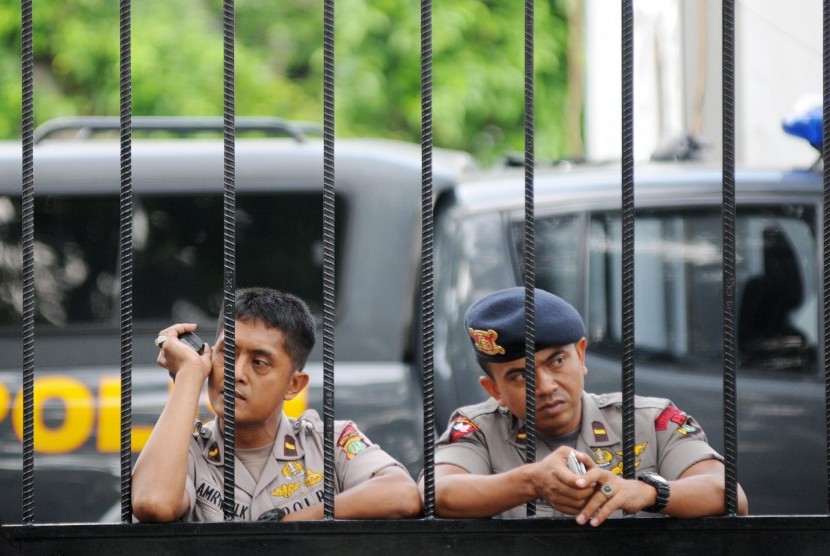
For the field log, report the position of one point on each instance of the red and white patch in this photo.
(670, 414)
(461, 427)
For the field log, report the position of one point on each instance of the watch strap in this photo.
(661, 485)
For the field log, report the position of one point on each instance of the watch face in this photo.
(654, 477)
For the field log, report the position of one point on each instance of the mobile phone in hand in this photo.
(193, 341)
(575, 465)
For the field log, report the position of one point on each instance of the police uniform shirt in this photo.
(485, 439)
(292, 478)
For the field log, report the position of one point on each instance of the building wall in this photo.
(677, 73)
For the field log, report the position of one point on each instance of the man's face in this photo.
(264, 375)
(560, 380)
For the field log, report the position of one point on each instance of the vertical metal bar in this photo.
(728, 218)
(328, 259)
(28, 203)
(825, 150)
(427, 295)
(628, 237)
(530, 246)
(229, 135)
(126, 266)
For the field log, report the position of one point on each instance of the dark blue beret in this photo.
(496, 324)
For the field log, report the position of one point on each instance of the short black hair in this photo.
(281, 310)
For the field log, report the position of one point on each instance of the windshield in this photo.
(178, 255)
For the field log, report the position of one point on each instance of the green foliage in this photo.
(177, 66)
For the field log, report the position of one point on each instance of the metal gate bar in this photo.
(427, 260)
(126, 253)
(28, 205)
(229, 137)
(825, 150)
(328, 259)
(728, 231)
(628, 237)
(529, 245)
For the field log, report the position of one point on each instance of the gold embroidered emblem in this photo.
(285, 490)
(638, 450)
(485, 341)
(292, 469)
(312, 478)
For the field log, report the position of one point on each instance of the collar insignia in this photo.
(600, 434)
(213, 452)
(289, 447)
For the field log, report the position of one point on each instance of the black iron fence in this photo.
(794, 535)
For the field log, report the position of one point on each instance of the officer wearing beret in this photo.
(480, 459)
(278, 461)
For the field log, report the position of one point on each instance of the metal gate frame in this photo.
(730, 534)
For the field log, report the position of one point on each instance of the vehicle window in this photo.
(178, 255)
(558, 254)
(678, 291)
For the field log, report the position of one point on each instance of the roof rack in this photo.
(83, 127)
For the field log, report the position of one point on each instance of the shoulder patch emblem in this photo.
(485, 341)
(461, 427)
(670, 414)
(352, 442)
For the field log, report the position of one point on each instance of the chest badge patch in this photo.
(292, 470)
(285, 490)
(485, 341)
(312, 478)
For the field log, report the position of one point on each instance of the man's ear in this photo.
(298, 381)
(492, 388)
(581, 347)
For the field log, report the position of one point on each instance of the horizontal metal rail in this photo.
(802, 536)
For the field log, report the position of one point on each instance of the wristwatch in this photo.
(661, 485)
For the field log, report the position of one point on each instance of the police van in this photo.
(177, 169)
(177, 232)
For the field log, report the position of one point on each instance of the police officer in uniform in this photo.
(278, 461)
(480, 459)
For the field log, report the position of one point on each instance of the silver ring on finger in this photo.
(607, 490)
(160, 340)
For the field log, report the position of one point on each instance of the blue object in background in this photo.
(807, 125)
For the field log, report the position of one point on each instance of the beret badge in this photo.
(485, 341)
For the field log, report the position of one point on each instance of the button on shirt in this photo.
(486, 439)
(292, 478)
